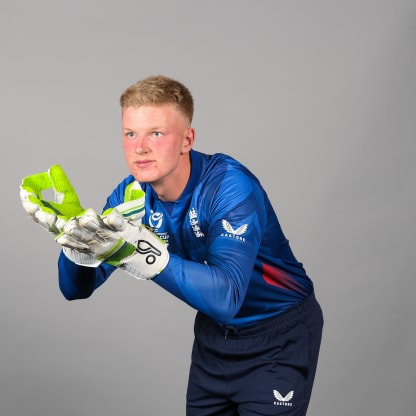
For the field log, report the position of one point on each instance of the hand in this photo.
(151, 254)
(50, 215)
(90, 239)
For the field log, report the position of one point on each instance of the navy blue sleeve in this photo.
(79, 282)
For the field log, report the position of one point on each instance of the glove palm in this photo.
(50, 215)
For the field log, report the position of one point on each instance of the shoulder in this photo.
(225, 183)
(218, 166)
(230, 175)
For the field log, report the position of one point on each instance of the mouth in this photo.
(142, 164)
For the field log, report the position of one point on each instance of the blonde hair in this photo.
(157, 90)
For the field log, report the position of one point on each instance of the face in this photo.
(156, 142)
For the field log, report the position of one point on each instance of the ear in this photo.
(189, 139)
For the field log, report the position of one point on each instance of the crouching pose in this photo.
(201, 227)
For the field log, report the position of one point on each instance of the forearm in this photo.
(79, 282)
(213, 290)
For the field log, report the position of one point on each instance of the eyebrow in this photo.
(148, 129)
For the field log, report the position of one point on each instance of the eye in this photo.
(130, 135)
(157, 134)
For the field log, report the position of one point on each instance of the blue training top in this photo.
(229, 258)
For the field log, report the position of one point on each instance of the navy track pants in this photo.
(265, 369)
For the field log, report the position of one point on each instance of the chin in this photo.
(143, 177)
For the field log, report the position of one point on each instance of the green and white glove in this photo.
(86, 239)
(150, 254)
(117, 238)
(50, 215)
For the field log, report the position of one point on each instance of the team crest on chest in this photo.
(194, 222)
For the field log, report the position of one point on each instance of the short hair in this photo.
(157, 90)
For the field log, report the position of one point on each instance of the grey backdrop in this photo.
(316, 97)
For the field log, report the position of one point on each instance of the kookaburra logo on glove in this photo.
(148, 250)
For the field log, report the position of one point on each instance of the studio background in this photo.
(317, 98)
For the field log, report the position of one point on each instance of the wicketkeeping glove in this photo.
(50, 215)
(88, 241)
(150, 254)
(117, 238)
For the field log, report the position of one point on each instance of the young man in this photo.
(212, 239)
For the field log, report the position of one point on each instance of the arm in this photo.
(217, 291)
(78, 282)
(218, 286)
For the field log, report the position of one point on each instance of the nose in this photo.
(142, 145)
